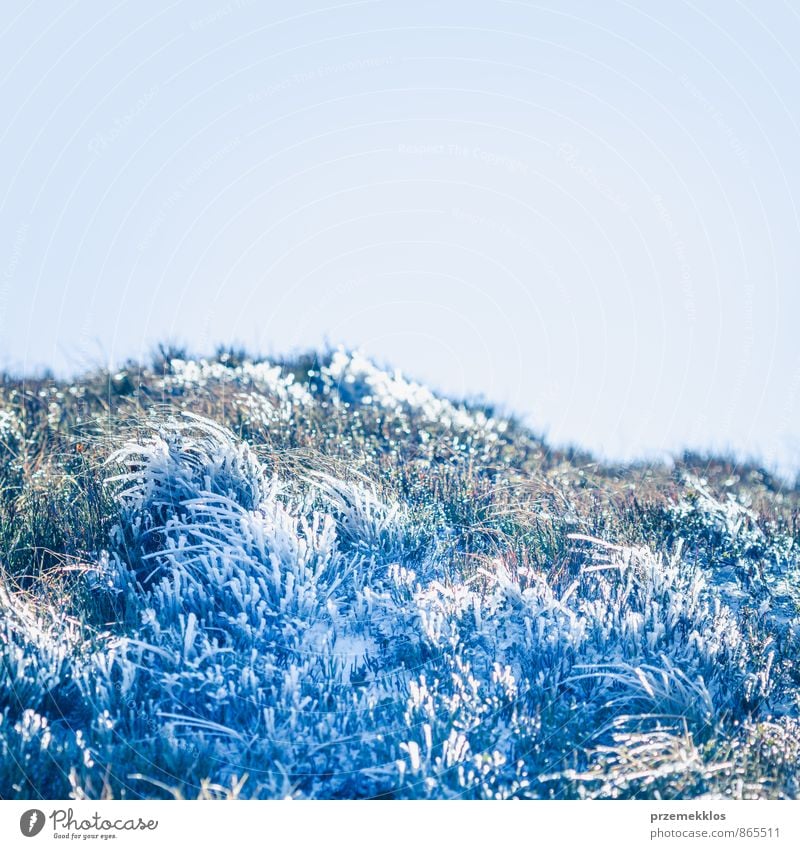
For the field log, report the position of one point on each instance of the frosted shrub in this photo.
(182, 461)
(186, 459)
(366, 523)
(37, 648)
(42, 656)
(359, 381)
(268, 380)
(746, 564)
(11, 430)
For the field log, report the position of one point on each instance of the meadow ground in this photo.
(315, 578)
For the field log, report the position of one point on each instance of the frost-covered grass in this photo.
(230, 578)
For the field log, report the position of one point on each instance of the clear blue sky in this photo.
(586, 211)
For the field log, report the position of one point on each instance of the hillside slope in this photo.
(318, 579)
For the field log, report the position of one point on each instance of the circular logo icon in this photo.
(31, 822)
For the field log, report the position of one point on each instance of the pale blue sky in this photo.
(586, 211)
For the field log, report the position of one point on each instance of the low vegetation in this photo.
(235, 578)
